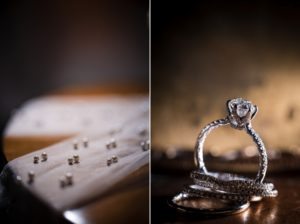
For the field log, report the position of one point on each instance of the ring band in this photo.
(234, 184)
(207, 205)
(240, 114)
(226, 186)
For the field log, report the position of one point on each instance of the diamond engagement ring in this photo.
(227, 186)
(240, 114)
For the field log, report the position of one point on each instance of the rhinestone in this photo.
(18, 178)
(114, 159)
(85, 142)
(76, 158)
(108, 146)
(143, 131)
(69, 178)
(113, 143)
(62, 181)
(70, 161)
(145, 145)
(44, 156)
(31, 176)
(75, 144)
(36, 159)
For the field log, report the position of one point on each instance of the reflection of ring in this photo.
(240, 114)
(190, 204)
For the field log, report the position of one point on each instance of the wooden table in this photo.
(283, 209)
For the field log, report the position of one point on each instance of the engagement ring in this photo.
(236, 189)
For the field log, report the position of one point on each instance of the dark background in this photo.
(49, 45)
(205, 52)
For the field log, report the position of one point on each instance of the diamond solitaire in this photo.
(240, 112)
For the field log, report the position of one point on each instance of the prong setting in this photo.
(240, 112)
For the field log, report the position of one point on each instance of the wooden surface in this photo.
(46, 120)
(16, 146)
(133, 207)
(284, 209)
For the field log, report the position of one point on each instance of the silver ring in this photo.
(187, 203)
(225, 186)
(240, 114)
(234, 184)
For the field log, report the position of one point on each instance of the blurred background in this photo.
(52, 45)
(205, 52)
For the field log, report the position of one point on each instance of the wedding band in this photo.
(188, 203)
(234, 184)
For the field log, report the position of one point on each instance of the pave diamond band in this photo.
(202, 192)
(234, 184)
(231, 182)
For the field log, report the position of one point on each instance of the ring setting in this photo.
(240, 112)
(226, 186)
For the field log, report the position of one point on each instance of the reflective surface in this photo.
(283, 209)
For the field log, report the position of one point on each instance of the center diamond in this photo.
(240, 112)
(242, 109)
